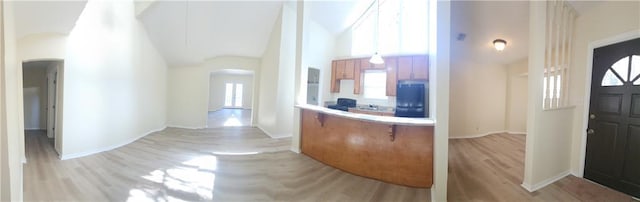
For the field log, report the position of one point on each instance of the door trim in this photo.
(587, 89)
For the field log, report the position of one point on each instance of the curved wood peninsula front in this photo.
(390, 149)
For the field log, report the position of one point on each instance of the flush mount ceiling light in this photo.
(499, 44)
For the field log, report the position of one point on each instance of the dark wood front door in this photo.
(613, 136)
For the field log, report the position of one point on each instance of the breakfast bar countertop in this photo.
(371, 118)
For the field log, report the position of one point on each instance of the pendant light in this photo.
(376, 58)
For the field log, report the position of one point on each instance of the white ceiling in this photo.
(485, 21)
(35, 17)
(189, 32)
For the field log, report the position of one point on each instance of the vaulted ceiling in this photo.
(37, 17)
(189, 32)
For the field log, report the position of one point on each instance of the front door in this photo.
(613, 135)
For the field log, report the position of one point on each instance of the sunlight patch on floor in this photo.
(195, 179)
(232, 121)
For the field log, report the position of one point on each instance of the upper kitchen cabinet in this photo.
(344, 69)
(413, 67)
(421, 67)
(341, 70)
(391, 64)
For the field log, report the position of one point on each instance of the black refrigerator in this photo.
(412, 100)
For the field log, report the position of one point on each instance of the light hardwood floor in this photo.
(243, 164)
(229, 118)
(222, 164)
(491, 168)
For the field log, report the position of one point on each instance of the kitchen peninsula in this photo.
(396, 150)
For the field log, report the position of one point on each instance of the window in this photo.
(233, 98)
(375, 84)
(552, 87)
(624, 70)
(403, 28)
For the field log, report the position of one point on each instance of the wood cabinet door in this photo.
(392, 66)
(340, 69)
(357, 78)
(405, 67)
(335, 83)
(348, 69)
(421, 67)
(364, 64)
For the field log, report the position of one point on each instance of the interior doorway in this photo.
(41, 95)
(230, 98)
(613, 134)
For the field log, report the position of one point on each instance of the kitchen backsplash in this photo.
(346, 91)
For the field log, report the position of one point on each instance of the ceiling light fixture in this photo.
(499, 44)
(376, 58)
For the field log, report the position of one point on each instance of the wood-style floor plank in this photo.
(220, 164)
(491, 168)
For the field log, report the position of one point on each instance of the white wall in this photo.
(277, 76)
(267, 115)
(595, 26)
(318, 54)
(42, 46)
(547, 152)
(35, 97)
(188, 98)
(217, 89)
(11, 113)
(478, 98)
(516, 114)
(115, 81)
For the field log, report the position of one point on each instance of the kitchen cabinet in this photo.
(357, 78)
(420, 67)
(348, 69)
(335, 83)
(405, 67)
(344, 69)
(413, 67)
(391, 64)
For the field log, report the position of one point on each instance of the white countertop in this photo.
(371, 118)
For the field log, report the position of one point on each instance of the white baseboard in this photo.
(271, 134)
(544, 183)
(95, 151)
(477, 135)
(488, 133)
(295, 150)
(185, 127)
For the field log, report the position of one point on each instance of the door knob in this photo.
(592, 116)
(590, 131)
